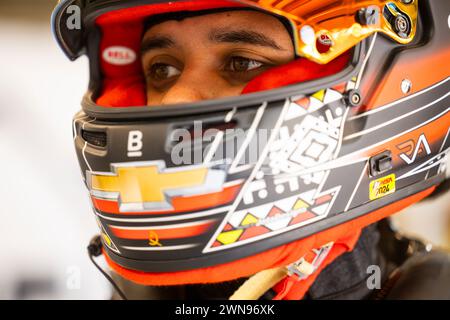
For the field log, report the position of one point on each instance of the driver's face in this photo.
(211, 56)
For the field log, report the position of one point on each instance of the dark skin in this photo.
(211, 56)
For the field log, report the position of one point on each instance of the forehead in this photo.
(204, 24)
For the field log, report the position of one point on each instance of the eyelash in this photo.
(249, 60)
(226, 68)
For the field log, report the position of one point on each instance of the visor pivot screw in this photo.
(369, 16)
(308, 35)
(402, 26)
(407, 1)
(406, 86)
(324, 43)
(354, 98)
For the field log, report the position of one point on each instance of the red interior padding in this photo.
(124, 85)
(274, 258)
(300, 70)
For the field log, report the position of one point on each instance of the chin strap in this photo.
(257, 285)
(298, 271)
(292, 282)
(302, 273)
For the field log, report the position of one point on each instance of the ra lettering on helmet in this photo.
(411, 149)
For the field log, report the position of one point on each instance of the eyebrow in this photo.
(243, 36)
(157, 42)
(218, 36)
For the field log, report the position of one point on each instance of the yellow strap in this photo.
(257, 285)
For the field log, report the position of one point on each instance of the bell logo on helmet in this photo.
(119, 56)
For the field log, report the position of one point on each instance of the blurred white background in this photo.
(46, 220)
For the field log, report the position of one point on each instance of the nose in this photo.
(182, 93)
(193, 87)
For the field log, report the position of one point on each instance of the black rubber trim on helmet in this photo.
(217, 258)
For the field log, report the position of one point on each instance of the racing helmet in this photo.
(355, 129)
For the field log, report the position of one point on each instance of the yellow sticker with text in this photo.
(382, 187)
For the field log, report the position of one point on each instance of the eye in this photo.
(241, 64)
(162, 71)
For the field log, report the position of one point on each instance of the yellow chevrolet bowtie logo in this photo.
(147, 186)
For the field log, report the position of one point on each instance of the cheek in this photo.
(154, 97)
(195, 82)
(232, 90)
